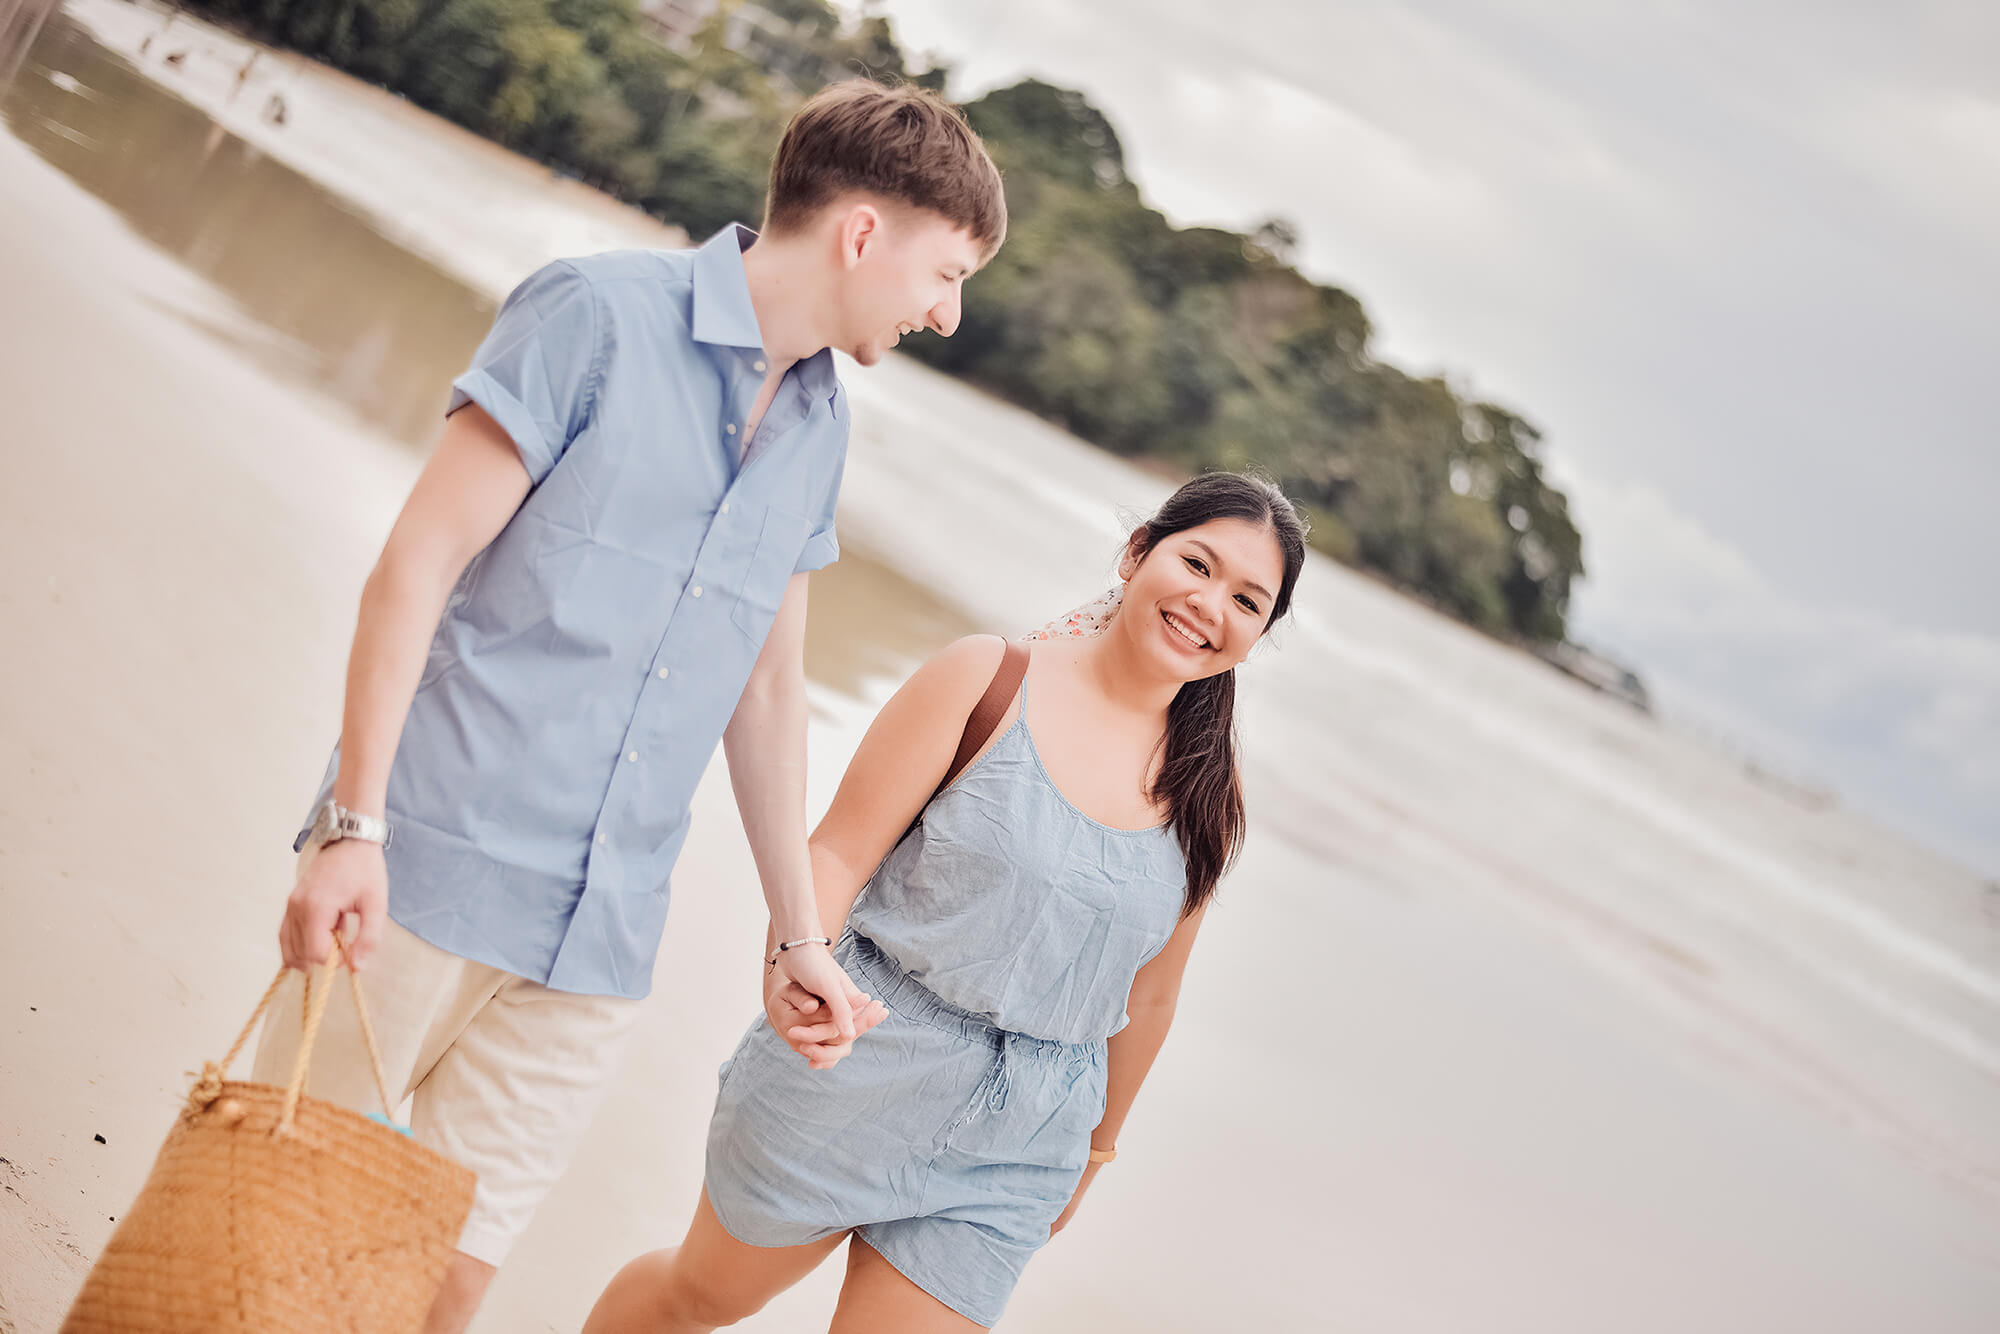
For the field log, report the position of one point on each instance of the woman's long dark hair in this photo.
(1199, 782)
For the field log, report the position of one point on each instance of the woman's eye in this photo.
(1247, 605)
(1195, 565)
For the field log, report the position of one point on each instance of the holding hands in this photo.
(813, 1006)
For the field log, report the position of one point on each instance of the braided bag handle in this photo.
(209, 1086)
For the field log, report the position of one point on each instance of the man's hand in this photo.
(346, 876)
(805, 1022)
(813, 969)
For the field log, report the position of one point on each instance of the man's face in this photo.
(908, 268)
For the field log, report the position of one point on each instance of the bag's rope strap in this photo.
(236, 1049)
(209, 1086)
(367, 1032)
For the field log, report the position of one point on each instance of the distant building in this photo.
(1599, 672)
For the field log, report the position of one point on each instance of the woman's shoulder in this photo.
(948, 685)
(966, 662)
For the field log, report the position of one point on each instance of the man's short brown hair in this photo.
(906, 144)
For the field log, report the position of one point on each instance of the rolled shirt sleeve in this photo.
(823, 547)
(538, 368)
(821, 550)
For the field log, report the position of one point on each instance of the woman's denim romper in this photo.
(1002, 934)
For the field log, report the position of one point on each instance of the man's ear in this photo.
(860, 231)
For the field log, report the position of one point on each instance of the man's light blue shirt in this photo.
(589, 659)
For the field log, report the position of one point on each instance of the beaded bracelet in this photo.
(784, 945)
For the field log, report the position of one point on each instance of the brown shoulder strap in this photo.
(992, 705)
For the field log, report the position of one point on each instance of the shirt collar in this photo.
(723, 314)
(724, 317)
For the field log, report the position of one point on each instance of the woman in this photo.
(1050, 892)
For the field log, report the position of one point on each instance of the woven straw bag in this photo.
(269, 1211)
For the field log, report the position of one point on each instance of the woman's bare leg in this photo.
(876, 1298)
(708, 1281)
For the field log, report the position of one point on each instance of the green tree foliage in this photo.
(1192, 344)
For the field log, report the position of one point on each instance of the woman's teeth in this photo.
(1181, 629)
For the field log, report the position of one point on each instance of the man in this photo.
(601, 571)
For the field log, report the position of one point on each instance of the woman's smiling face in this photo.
(1199, 599)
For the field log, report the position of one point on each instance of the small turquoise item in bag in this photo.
(401, 1130)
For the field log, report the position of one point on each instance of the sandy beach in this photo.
(1520, 1013)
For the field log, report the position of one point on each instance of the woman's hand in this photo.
(801, 1019)
(1076, 1198)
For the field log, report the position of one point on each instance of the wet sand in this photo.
(1519, 1014)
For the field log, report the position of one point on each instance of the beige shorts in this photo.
(501, 1074)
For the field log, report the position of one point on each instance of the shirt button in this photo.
(663, 673)
(725, 507)
(631, 757)
(600, 840)
(731, 428)
(757, 366)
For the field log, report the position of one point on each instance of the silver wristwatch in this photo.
(333, 822)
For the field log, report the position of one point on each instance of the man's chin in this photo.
(868, 354)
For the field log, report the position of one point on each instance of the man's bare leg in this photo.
(465, 1284)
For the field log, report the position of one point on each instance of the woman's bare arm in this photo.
(894, 771)
(1132, 1049)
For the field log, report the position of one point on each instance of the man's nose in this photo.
(944, 315)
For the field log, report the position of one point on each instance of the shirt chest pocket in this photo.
(771, 564)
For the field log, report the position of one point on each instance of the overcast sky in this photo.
(1738, 260)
